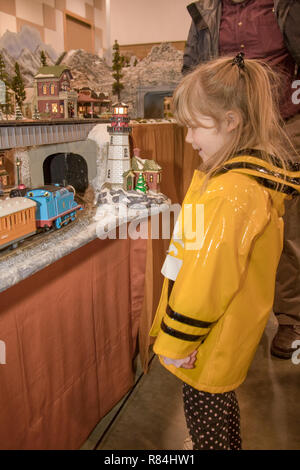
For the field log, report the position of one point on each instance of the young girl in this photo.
(218, 294)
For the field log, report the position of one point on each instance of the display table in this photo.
(70, 332)
(71, 327)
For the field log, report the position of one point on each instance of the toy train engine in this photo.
(55, 205)
(17, 220)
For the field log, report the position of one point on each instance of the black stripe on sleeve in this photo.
(187, 320)
(178, 334)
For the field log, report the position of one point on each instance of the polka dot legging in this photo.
(213, 419)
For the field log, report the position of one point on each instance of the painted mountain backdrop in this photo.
(161, 67)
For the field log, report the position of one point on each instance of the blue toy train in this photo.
(30, 210)
(55, 205)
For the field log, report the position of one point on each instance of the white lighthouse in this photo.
(119, 154)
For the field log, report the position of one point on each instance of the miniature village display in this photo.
(130, 181)
(146, 85)
(131, 185)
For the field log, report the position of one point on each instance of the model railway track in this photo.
(38, 237)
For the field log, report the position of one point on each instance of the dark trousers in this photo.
(213, 419)
(287, 291)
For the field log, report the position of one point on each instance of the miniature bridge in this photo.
(16, 134)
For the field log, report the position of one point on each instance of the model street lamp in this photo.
(18, 164)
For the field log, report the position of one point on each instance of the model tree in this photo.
(18, 86)
(3, 74)
(18, 115)
(141, 184)
(4, 77)
(117, 68)
(43, 59)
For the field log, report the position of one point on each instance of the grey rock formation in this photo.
(28, 38)
(89, 70)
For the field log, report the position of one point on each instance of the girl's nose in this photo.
(188, 137)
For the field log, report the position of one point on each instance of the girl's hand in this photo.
(186, 363)
(191, 362)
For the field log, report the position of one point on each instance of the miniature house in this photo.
(92, 105)
(55, 99)
(150, 170)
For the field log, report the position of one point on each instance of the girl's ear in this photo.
(232, 119)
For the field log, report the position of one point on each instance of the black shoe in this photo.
(282, 342)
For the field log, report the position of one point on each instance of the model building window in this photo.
(125, 152)
(61, 107)
(47, 108)
(151, 179)
(158, 178)
(52, 89)
(54, 108)
(45, 89)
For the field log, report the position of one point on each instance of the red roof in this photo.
(82, 98)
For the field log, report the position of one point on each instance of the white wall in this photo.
(144, 21)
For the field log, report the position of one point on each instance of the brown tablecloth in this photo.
(70, 333)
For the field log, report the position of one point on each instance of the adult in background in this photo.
(267, 30)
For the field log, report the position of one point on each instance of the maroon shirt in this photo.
(251, 27)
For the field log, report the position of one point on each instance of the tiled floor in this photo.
(152, 416)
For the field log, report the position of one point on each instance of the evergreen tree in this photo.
(117, 68)
(141, 184)
(3, 74)
(8, 105)
(43, 59)
(4, 77)
(19, 114)
(18, 85)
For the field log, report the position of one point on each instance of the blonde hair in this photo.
(216, 87)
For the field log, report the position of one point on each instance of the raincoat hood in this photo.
(281, 183)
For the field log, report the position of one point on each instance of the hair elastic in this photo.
(239, 60)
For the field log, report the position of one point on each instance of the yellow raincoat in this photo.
(217, 294)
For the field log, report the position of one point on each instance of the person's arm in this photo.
(292, 31)
(190, 56)
(211, 276)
